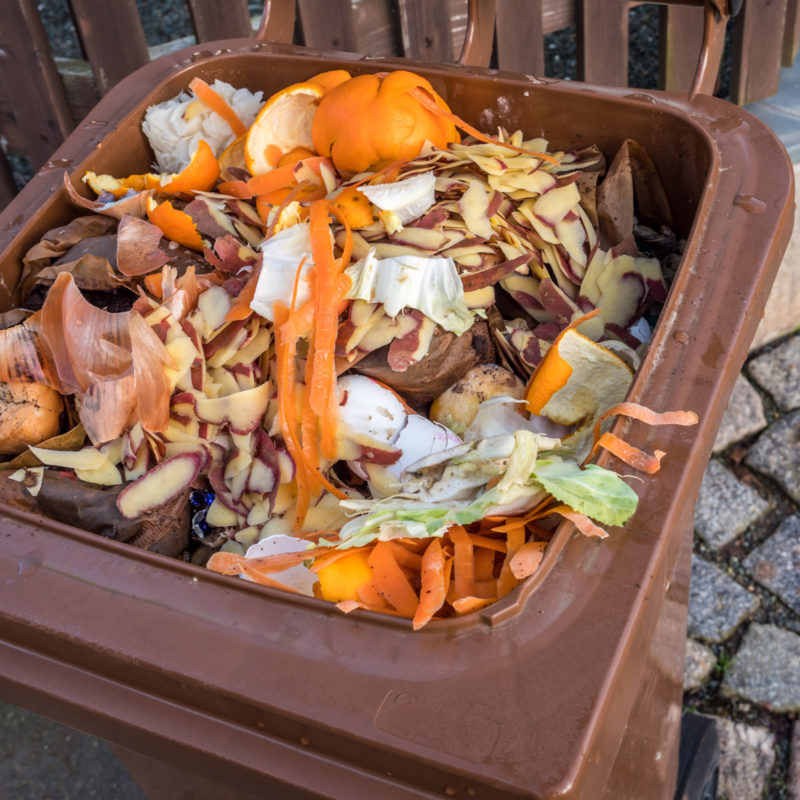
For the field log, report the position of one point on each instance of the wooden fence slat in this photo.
(220, 19)
(681, 38)
(34, 116)
(377, 27)
(756, 67)
(426, 30)
(112, 38)
(603, 41)
(556, 15)
(518, 29)
(8, 187)
(791, 33)
(328, 24)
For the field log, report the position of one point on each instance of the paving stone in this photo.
(793, 779)
(746, 759)
(766, 668)
(777, 453)
(717, 604)
(743, 417)
(782, 312)
(776, 563)
(778, 372)
(725, 506)
(700, 660)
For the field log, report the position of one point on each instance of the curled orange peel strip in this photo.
(646, 415)
(425, 100)
(632, 456)
(580, 521)
(218, 104)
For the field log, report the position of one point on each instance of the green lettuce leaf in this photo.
(596, 492)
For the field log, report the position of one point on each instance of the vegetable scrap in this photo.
(334, 347)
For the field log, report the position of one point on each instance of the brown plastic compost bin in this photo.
(571, 686)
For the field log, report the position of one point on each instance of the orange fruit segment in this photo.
(175, 224)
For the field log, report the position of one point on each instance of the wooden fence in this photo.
(42, 98)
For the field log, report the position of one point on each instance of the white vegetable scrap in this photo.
(408, 199)
(282, 255)
(173, 128)
(430, 285)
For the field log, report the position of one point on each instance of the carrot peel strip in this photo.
(464, 562)
(390, 582)
(581, 522)
(425, 100)
(646, 415)
(632, 456)
(433, 590)
(527, 559)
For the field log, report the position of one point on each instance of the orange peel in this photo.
(199, 175)
(175, 224)
(375, 118)
(232, 156)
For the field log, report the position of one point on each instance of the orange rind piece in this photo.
(121, 186)
(342, 578)
(353, 206)
(283, 124)
(577, 379)
(175, 224)
(199, 175)
(371, 119)
(232, 156)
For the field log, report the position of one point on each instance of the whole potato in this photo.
(29, 414)
(457, 406)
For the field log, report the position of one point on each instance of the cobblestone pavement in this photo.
(743, 651)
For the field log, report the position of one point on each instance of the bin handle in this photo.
(277, 25)
(277, 22)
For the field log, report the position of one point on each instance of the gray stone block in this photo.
(766, 669)
(743, 417)
(778, 372)
(776, 563)
(725, 506)
(746, 759)
(700, 660)
(777, 453)
(717, 604)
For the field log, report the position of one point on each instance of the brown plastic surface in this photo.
(571, 686)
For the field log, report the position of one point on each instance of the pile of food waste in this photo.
(340, 343)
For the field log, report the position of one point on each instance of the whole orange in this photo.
(372, 118)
